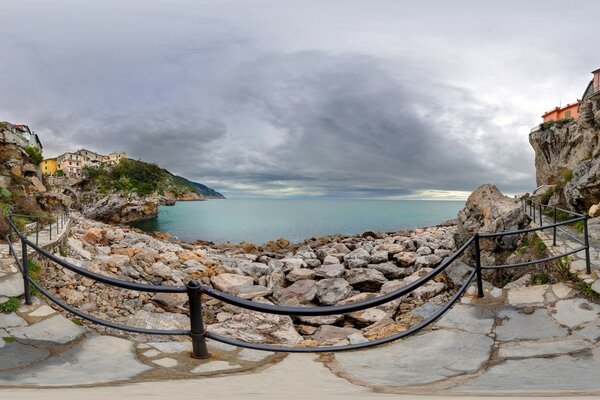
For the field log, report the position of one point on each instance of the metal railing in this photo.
(195, 290)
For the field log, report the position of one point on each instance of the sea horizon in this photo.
(260, 220)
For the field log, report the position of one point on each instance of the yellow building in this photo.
(49, 166)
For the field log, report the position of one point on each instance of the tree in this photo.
(34, 154)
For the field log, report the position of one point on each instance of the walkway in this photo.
(519, 340)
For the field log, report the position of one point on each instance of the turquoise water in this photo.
(259, 221)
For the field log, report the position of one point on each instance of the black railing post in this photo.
(554, 229)
(37, 231)
(533, 211)
(478, 266)
(10, 235)
(586, 240)
(541, 220)
(25, 262)
(199, 349)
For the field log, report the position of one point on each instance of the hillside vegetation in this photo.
(144, 179)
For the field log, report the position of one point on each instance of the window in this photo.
(568, 114)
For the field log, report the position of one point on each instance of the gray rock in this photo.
(150, 320)
(331, 291)
(56, 329)
(442, 354)
(254, 355)
(430, 260)
(330, 260)
(251, 292)
(171, 300)
(330, 271)
(328, 333)
(96, 360)
(340, 248)
(231, 283)
(391, 270)
(517, 325)
(424, 250)
(300, 292)
(305, 252)
(426, 310)
(255, 269)
(11, 320)
(321, 319)
(468, 318)
(300, 273)
(457, 272)
(365, 280)
(378, 257)
(358, 258)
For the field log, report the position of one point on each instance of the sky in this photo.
(422, 99)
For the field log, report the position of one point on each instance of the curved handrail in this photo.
(355, 346)
(193, 289)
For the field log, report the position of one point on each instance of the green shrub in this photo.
(34, 154)
(12, 305)
(567, 175)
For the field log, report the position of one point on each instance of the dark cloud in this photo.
(258, 101)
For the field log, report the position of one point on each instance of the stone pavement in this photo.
(523, 340)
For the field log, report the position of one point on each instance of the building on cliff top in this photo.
(570, 111)
(592, 91)
(19, 134)
(71, 164)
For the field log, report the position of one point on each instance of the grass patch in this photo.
(34, 273)
(540, 278)
(77, 321)
(563, 268)
(578, 226)
(12, 305)
(9, 339)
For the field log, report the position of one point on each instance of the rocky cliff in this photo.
(567, 162)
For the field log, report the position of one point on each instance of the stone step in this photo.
(11, 286)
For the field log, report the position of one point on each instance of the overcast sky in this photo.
(367, 99)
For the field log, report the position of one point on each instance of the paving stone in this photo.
(56, 329)
(590, 332)
(563, 291)
(17, 355)
(142, 346)
(254, 355)
(468, 318)
(172, 347)
(529, 295)
(213, 366)
(564, 373)
(525, 349)
(441, 354)
(517, 325)
(42, 311)
(151, 353)
(97, 359)
(11, 320)
(574, 312)
(213, 344)
(12, 286)
(596, 286)
(166, 362)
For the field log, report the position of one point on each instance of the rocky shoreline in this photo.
(321, 271)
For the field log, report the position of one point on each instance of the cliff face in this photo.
(567, 159)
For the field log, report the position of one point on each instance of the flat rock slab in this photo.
(12, 286)
(57, 330)
(42, 311)
(517, 325)
(526, 349)
(254, 355)
(419, 360)
(468, 318)
(172, 347)
(564, 373)
(214, 366)
(528, 295)
(17, 355)
(98, 359)
(574, 312)
(11, 320)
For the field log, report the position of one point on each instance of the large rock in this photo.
(301, 292)
(488, 211)
(119, 209)
(365, 279)
(231, 283)
(331, 291)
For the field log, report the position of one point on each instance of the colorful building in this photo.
(570, 111)
(48, 166)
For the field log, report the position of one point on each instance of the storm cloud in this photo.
(341, 99)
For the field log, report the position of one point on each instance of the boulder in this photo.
(331, 291)
(300, 273)
(330, 271)
(365, 279)
(488, 210)
(301, 292)
(231, 283)
(333, 334)
(117, 208)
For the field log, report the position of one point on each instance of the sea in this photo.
(260, 220)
